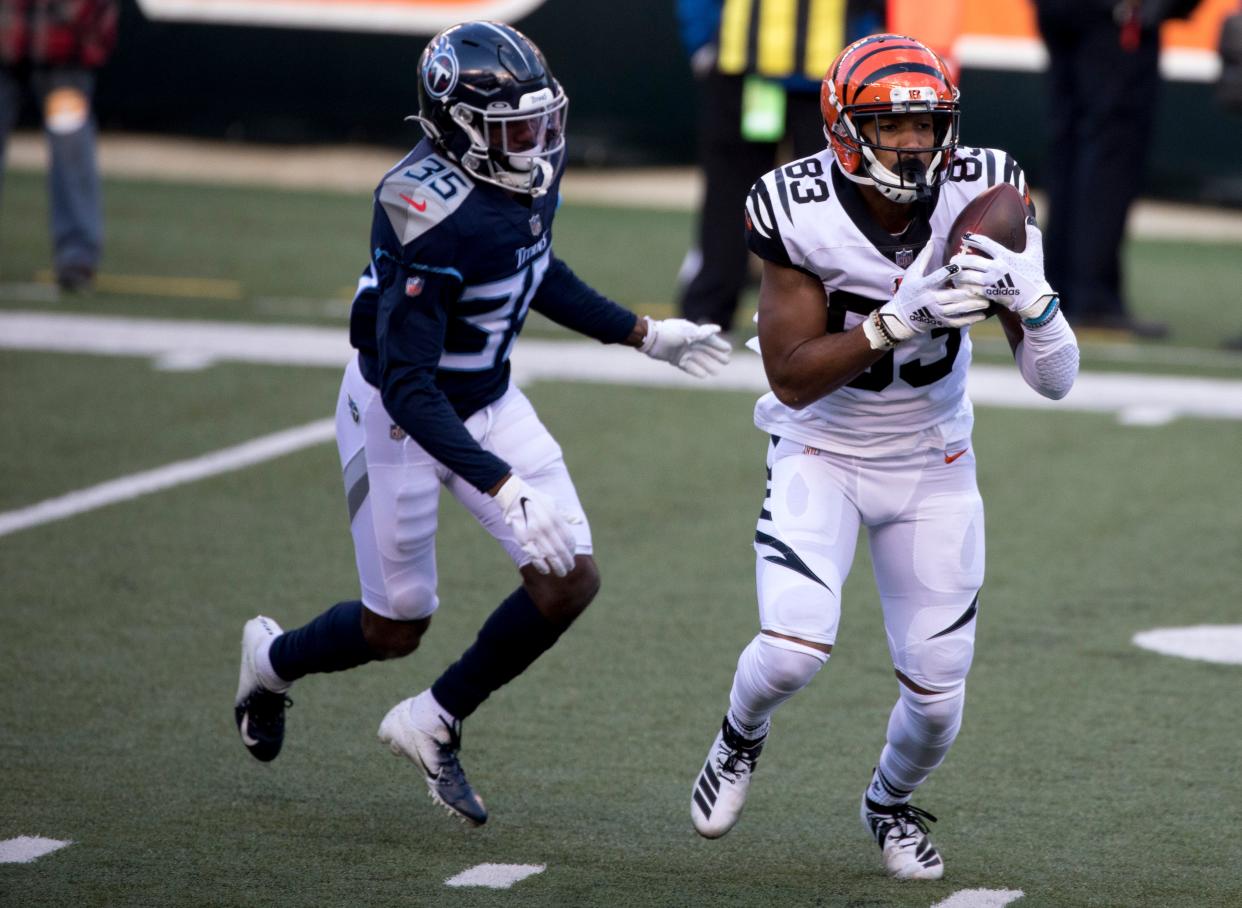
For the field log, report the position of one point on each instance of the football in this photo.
(1000, 213)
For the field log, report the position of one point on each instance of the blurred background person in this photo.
(1103, 80)
(758, 65)
(1229, 90)
(50, 49)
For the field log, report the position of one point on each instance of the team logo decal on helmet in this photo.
(441, 69)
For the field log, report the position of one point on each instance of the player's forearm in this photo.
(818, 366)
(423, 412)
(1048, 357)
(568, 300)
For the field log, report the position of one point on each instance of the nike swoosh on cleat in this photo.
(949, 458)
(417, 206)
(245, 731)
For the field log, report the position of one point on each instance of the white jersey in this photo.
(809, 216)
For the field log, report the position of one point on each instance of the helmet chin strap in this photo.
(892, 186)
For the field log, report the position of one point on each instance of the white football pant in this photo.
(924, 521)
(392, 487)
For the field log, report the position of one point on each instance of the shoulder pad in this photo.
(423, 195)
(977, 169)
(763, 229)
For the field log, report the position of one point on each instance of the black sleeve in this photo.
(567, 300)
(410, 338)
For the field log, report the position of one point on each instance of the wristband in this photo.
(877, 332)
(1049, 313)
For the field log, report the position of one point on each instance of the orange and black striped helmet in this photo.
(890, 75)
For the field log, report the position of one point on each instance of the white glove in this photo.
(922, 302)
(696, 349)
(541, 528)
(1013, 279)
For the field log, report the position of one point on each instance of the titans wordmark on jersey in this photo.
(807, 215)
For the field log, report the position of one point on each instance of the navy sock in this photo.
(513, 637)
(332, 642)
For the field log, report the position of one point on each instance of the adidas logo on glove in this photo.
(1003, 287)
(922, 315)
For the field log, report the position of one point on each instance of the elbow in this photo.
(790, 395)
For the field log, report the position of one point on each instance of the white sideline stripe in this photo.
(246, 454)
(494, 876)
(1138, 399)
(1206, 642)
(980, 898)
(27, 848)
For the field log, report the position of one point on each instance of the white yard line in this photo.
(27, 848)
(1220, 643)
(980, 898)
(494, 876)
(1138, 400)
(174, 474)
(1135, 399)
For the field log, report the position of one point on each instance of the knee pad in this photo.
(788, 666)
(940, 663)
(409, 599)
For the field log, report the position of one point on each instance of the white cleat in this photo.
(901, 833)
(259, 710)
(435, 753)
(720, 790)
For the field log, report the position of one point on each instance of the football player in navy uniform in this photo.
(865, 344)
(461, 246)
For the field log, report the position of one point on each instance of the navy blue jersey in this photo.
(455, 267)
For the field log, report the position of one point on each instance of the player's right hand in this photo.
(540, 527)
(927, 301)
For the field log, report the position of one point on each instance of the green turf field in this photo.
(1088, 772)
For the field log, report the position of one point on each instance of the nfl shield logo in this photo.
(536, 225)
(904, 257)
(413, 286)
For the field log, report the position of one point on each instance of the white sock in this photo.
(263, 668)
(769, 672)
(921, 729)
(426, 713)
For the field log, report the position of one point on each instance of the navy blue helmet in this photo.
(488, 101)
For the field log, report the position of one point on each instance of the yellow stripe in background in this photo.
(825, 36)
(734, 36)
(778, 32)
(156, 285)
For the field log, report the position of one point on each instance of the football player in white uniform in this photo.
(865, 343)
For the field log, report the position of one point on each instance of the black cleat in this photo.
(259, 712)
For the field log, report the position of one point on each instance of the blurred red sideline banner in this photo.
(415, 17)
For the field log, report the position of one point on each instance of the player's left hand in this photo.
(696, 349)
(1013, 279)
